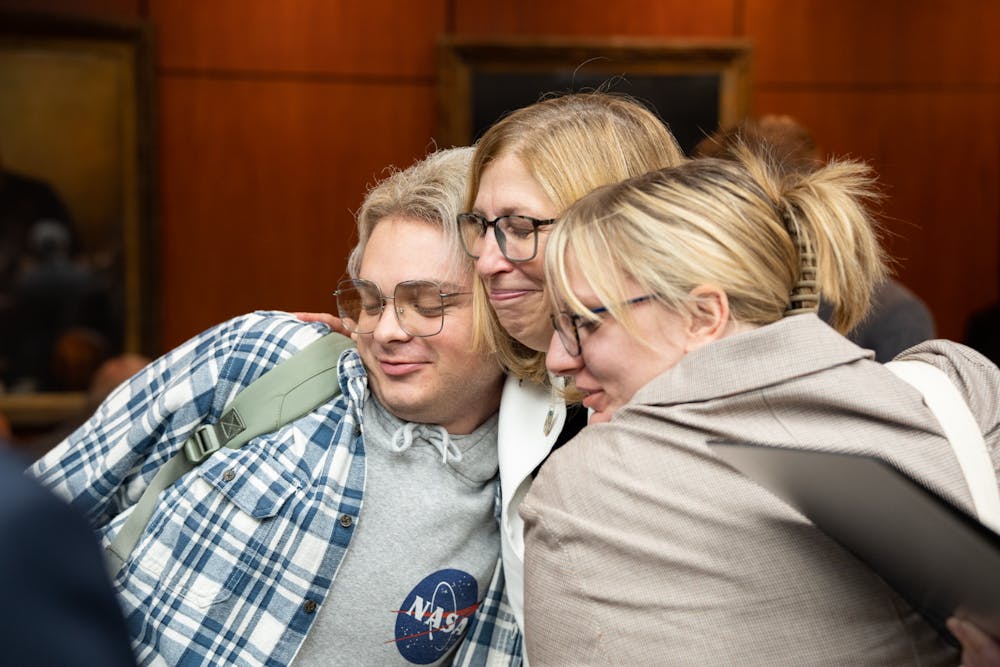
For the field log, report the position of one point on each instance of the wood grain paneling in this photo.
(259, 181)
(668, 18)
(938, 158)
(374, 37)
(884, 42)
(274, 116)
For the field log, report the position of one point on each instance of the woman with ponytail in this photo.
(685, 312)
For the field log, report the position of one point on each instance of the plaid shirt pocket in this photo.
(210, 529)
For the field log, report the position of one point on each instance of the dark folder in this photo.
(940, 559)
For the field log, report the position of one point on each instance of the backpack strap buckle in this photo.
(203, 443)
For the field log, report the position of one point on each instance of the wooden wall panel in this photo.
(258, 184)
(886, 42)
(912, 87)
(938, 158)
(374, 37)
(275, 115)
(669, 18)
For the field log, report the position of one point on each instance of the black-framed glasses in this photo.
(517, 235)
(567, 325)
(419, 306)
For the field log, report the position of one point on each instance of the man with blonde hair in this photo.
(360, 533)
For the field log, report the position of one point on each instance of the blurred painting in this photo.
(73, 203)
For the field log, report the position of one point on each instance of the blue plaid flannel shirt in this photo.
(493, 638)
(241, 553)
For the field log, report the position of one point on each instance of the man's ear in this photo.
(709, 316)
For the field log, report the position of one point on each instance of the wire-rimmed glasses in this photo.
(419, 306)
(516, 235)
(567, 325)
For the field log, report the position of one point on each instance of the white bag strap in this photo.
(959, 426)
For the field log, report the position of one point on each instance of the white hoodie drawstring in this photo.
(439, 439)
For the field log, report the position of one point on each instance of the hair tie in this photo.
(804, 295)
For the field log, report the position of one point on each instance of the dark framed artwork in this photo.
(694, 86)
(76, 208)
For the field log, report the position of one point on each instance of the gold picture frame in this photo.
(695, 86)
(76, 115)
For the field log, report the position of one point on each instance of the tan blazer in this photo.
(643, 549)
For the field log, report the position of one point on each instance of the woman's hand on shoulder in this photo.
(332, 321)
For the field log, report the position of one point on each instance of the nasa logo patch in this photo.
(434, 615)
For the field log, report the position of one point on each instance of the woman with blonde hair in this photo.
(686, 304)
(527, 170)
(531, 166)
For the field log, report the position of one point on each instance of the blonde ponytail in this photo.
(830, 207)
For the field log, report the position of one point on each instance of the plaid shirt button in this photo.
(346, 520)
(310, 606)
